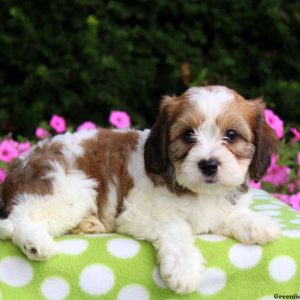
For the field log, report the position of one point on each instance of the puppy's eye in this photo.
(189, 136)
(231, 135)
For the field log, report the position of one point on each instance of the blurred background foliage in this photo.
(83, 58)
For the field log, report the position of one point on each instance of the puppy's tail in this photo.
(6, 229)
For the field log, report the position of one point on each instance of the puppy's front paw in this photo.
(256, 229)
(37, 246)
(182, 271)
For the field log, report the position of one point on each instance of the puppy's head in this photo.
(212, 137)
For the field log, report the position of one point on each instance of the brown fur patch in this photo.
(241, 149)
(176, 115)
(179, 149)
(265, 140)
(256, 139)
(29, 177)
(239, 116)
(157, 150)
(156, 153)
(165, 141)
(188, 119)
(105, 159)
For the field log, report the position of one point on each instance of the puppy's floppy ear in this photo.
(265, 141)
(156, 147)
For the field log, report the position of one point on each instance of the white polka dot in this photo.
(258, 193)
(282, 268)
(72, 247)
(245, 256)
(266, 206)
(296, 221)
(15, 271)
(55, 288)
(96, 279)
(277, 219)
(212, 237)
(157, 278)
(269, 212)
(262, 198)
(133, 292)
(214, 280)
(292, 233)
(123, 247)
(282, 226)
(282, 204)
(278, 202)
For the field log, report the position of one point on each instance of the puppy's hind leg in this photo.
(90, 225)
(36, 219)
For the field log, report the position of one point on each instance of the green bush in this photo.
(83, 58)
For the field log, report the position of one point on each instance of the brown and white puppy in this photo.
(186, 176)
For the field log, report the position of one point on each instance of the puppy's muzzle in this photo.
(209, 167)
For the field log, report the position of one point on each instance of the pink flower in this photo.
(283, 197)
(296, 134)
(295, 201)
(13, 143)
(2, 175)
(274, 159)
(24, 147)
(255, 185)
(41, 133)
(274, 122)
(88, 125)
(58, 123)
(8, 151)
(119, 119)
(277, 175)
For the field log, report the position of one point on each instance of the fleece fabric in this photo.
(114, 266)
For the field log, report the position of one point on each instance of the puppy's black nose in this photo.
(209, 167)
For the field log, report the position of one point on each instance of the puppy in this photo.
(188, 175)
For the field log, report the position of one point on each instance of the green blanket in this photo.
(114, 266)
